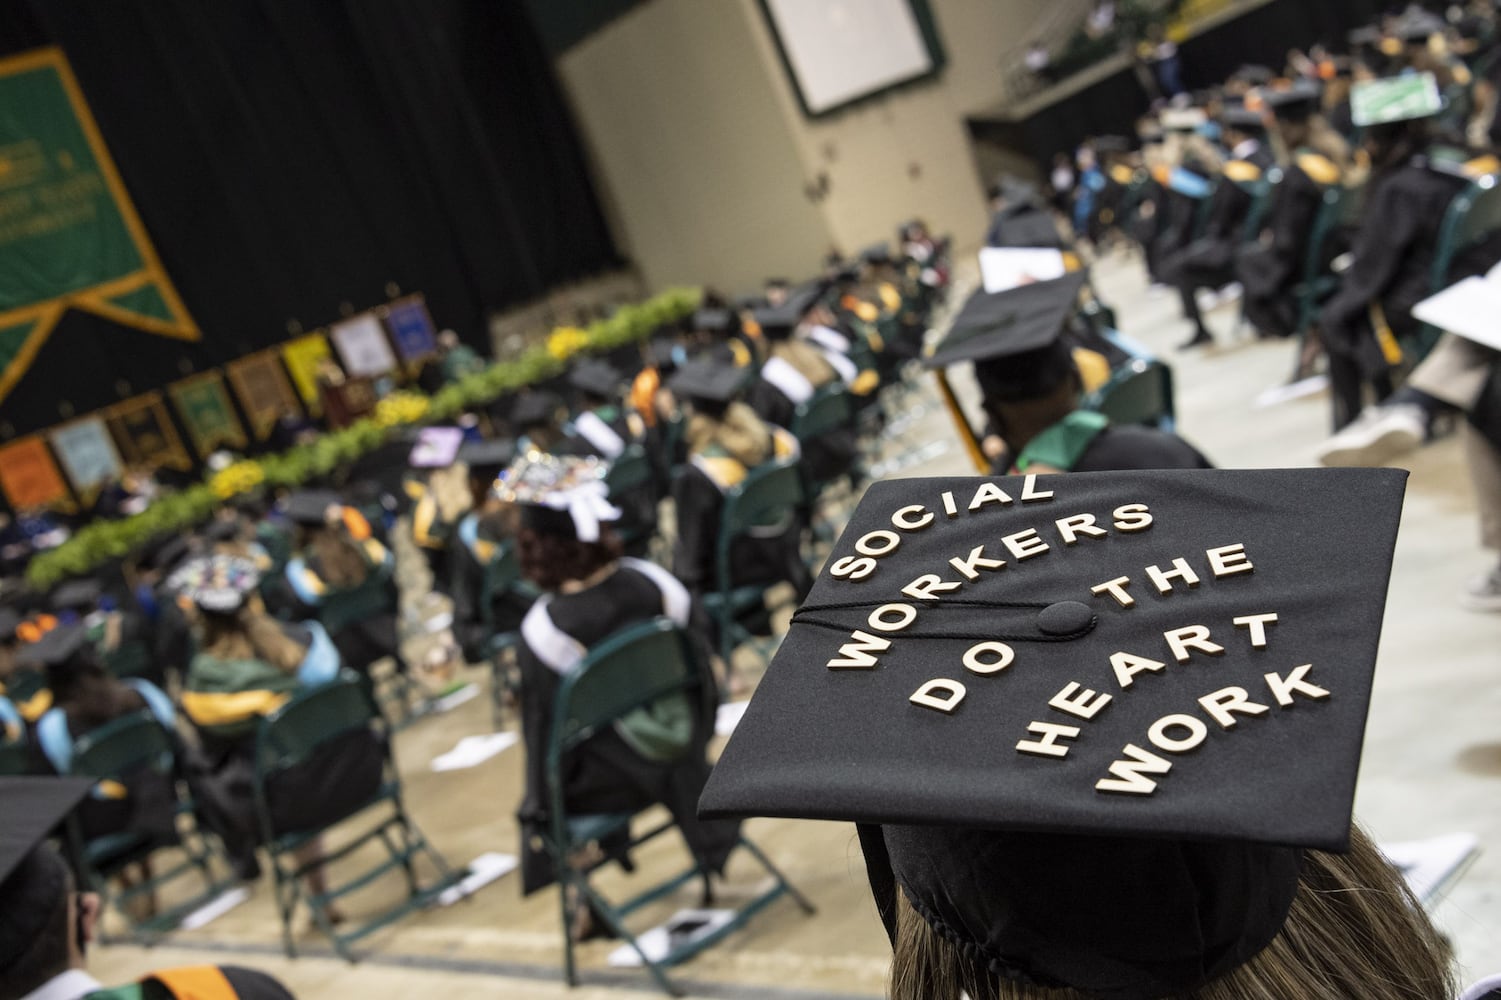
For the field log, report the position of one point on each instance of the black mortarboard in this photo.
(1013, 337)
(81, 594)
(1418, 25)
(713, 320)
(55, 648)
(1090, 720)
(1255, 75)
(222, 529)
(492, 455)
(1242, 119)
(877, 253)
(1111, 144)
(10, 620)
(1295, 103)
(166, 553)
(536, 407)
(706, 381)
(310, 507)
(596, 377)
(799, 301)
(1368, 36)
(33, 879)
(663, 352)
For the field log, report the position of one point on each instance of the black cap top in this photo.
(80, 595)
(1149, 668)
(877, 253)
(1296, 102)
(311, 507)
(596, 377)
(797, 305)
(1010, 323)
(706, 381)
(1254, 74)
(713, 320)
(492, 455)
(1418, 25)
(56, 647)
(167, 552)
(10, 620)
(1242, 119)
(32, 881)
(536, 407)
(1111, 144)
(1370, 35)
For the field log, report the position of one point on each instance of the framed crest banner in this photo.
(302, 357)
(146, 434)
(87, 455)
(206, 411)
(362, 345)
(265, 394)
(412, 328)
(30, 477)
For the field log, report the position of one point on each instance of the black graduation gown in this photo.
(605, 775)
(826, 457)
(1208, 260)
(1119, 448)
(1393, 261)
(1024, 225)
(1269, 270)
(699, 502)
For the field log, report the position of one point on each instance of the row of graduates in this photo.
(1240, 197)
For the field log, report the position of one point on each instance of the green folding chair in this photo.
(502, 577)
(619, 678)
(1261, 191)
(1139, 392)
(1472, 217)
(1341, 208)
(14, 758)
(765, 504)
(376, 596)
(631, 473)
(121, 752)
(132, 658)
(303, 737)
(829, 410)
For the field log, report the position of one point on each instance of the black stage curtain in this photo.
(1112, 105)
(289, 157)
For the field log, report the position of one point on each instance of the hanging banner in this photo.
(302, 357)
(69, 235)
(29, 476)
(362, 345)
(412, 328)
(145, 433)
(203, 404)
(265, 394)
(87, 455)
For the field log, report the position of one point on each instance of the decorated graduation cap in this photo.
(596, 377)
(704, 381)
(1087, 722)
(33, 879)
(218, 584)
(311, 507)
(1014, 338)
(560, 495)
(1408, 97)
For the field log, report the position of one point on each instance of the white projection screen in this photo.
(839, 51)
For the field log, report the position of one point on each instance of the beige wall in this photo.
(697, 164)
(703, 154)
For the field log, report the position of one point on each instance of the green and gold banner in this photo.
(145, 433)
(29, 476)
(87, 455)
(264, 392)
(203, 404)
(69, 235)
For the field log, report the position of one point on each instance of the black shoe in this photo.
(1199, 340)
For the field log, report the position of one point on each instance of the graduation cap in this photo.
(33, 879)
(596, 377)
(10, 620)
(1112, 144)
(536, 407)
(1183, 119)
(562, 495)
(705, 381)
(775, 320)
(218, 584)
(1014, 338)
(1408, 97)
(1416, 26)
(664, 353)
(310, 507)
(877, 253)
(1255, 75)
(1295, 103)
(1242, 119)
(487, 456)
(57, 647)
(713, 320)
(81, 595)
(167, 552)
(1088, 721)
(436, 448)
(1367, 37)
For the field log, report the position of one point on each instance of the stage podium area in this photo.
(1432, 760)
(1022, 132)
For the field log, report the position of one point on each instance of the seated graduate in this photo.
(248, 665)
(600, 418)
(86, 697)
(1185, 165)
(1318, 160)
(591, 592)
(726, 440)
(1023, 343)
(1209, 261)
(338, 556)
(1415, 177)
(540, 418)
(1080, 811)
(10, 645)
(438, 490)
(804, 358)
(47, 924)
(168, 635)
(1020, 218)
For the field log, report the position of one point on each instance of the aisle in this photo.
(1432, 765)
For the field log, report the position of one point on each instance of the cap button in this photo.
(1065, 618)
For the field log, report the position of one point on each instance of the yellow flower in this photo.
(241, 477)
(400, 408)
(566, 341)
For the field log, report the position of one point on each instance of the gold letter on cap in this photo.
(939, 694)
(1227, 560)
(1048, 746)
(1003, 656)
(1128, 773)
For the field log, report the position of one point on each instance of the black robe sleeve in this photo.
(699, 504)
(1385, 239)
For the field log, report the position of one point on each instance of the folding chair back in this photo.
(830, 408)
(1473, 216)
(766, 499)
(638, 666)
(132, 658)
(294, 741)
(129, 743)
(1260, 191)
(631, 470)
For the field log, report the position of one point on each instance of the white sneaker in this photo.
(1207, 299)
(1381, 434)
(1484, 593)
(1230, 293)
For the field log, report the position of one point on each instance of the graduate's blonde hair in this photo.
(1354, 930)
